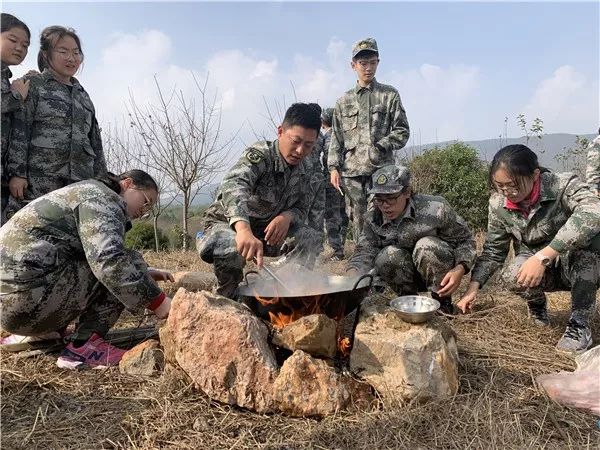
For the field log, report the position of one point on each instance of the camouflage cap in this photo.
(327, 115)
(390, 180)
(368, 44)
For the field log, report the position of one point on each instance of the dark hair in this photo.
(305, 115)
(518, 160)
(48, 39)
(140, 179)
(365, 54)
(8, 22)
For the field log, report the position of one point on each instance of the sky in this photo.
(461, 67)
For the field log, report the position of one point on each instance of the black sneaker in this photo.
(446, 305)
(576, 338)
(538, 313)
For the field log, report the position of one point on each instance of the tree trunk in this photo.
(155, 224)
(184, 221)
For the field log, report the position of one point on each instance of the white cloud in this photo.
(566, 102)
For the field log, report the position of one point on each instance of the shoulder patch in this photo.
(381, 179)
(254, 156)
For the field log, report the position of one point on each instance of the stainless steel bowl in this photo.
(414, 308)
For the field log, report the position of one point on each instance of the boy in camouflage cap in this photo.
(263, 200)
(415, 242)
(369, 123)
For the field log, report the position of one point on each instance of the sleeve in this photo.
(101, 227)
(96, 142)
(366, 250)
(11, 100)
(399, 133)
(456, 232)
(584, 223)
(238, 185)
(336, 145)
(495, 249)
(592, 170)
(18, 150)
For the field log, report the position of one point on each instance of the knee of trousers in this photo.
(433, 249)
(508, 276)
(218, 243)
(392, 261)
(583, 266)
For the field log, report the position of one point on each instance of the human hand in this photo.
(277, 230)
(21, 86)
(531, 273)
(17, 186)
(451, 281)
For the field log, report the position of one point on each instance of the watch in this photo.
(546, 262)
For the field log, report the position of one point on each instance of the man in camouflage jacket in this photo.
(413, 241)
(262, 201)
(369, 123)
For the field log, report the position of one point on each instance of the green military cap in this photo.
(390, 180)
(368, 44)
(327, 115)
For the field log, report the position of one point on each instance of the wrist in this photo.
(544, 260)
(155, 304)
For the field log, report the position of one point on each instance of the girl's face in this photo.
(15, 44)
(139, 200)
(65, 57)
(515, 191)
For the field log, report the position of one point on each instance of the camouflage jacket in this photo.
(425, 215)
(313, 162)
(63, 138)
(259, 187)
(12, 120)
(364, 137)
(566, 217)
(84, 222)
(592, 171)
(326, 144)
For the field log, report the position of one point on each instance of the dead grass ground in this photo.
(498, 406)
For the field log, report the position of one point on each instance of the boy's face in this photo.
(365, 67)
(296, 143)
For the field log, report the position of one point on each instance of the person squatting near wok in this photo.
(61, 143)
(263, 201)
(62, 258)
(15, 36)
(553, 221)
(414, 242)
(369, 123)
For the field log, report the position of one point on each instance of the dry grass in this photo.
(498, 405)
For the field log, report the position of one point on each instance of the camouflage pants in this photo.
(316, 208)
(4, 195)
(218, 247)
(37, 186)
(578, 271)
(355, 190)
(66, 294)
(408, 273)
(336, 219)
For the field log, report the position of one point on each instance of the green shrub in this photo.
(141, 237)
(456, 173)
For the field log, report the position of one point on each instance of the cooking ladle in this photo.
(272, 275)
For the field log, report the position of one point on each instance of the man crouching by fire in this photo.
(414, 242)
(262, 201)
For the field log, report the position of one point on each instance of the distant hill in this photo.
(547, 148)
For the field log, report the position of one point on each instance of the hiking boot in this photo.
(576, 338)
(18, 339)
(96, 353)
(446, 305)
(538, 313)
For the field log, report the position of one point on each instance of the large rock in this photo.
(315, 334)
(144, 359)
(307, 386)
(404, 361)
(223, 348)
(166, 341)
(193, 281)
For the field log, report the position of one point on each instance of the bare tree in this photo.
(182, 139)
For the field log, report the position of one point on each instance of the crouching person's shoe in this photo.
(538, 313)
(96, 353)
(576, 338)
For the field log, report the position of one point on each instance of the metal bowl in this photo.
(414, 308)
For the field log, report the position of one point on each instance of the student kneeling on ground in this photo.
(263, 200)
(553, 221)
(415, 242)
(62, 258)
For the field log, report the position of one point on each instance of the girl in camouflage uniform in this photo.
(62, 258)
(63, 143)
(553, 221)
(15, 43)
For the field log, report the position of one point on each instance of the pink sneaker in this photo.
(96, 353)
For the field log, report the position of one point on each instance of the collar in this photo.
(6, 73)
(47, 76)
(358, 88)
